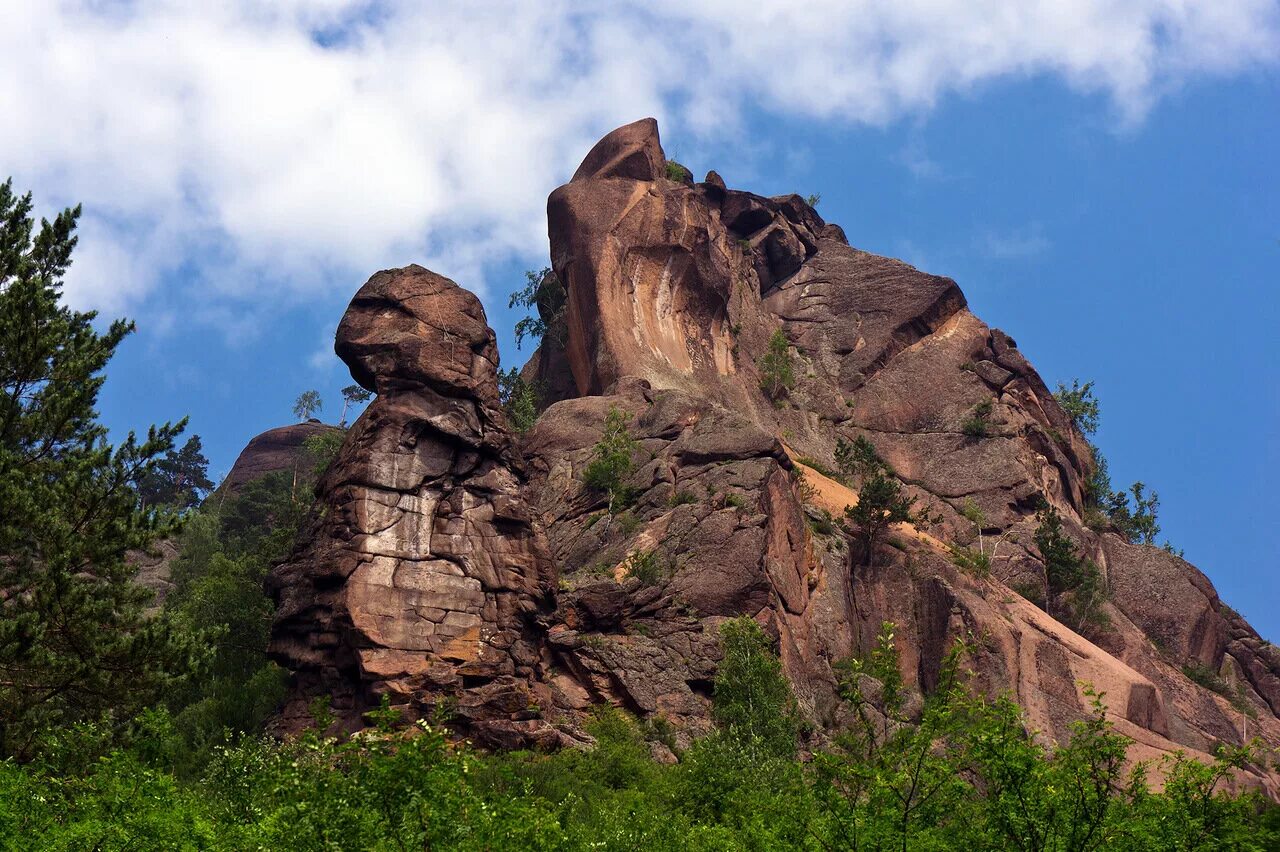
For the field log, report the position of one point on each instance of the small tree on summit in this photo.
(307, 404)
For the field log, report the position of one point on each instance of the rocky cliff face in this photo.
(455, 561)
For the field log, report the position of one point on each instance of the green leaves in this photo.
(543, 292)
(519, 400)
(613, 460)
(76, 643)
(777, 367)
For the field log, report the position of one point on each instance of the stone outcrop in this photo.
(423, 576)
(274, 450)
(454, 560)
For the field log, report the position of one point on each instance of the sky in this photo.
(1100, 177)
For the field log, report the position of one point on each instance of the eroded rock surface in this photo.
(423, 576)
(454, 562)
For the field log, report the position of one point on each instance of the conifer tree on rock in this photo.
(75, 644)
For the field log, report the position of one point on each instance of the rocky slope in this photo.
(457, 562)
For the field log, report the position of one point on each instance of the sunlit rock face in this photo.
(453, 561)
(423, 575)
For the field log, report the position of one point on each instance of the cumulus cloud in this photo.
(267, 151)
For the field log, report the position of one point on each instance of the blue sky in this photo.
(1105, 192)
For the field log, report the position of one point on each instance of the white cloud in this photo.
(1014, 244)
(279, 149)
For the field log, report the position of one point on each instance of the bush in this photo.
(978, 423)
(678, 173)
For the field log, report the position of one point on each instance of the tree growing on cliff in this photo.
(881, 503)
(545, 295)
(1074, 582)
(519, 399)
(75, 642)
(858, 458)
(777, 368)
(613, 460)
(1080, 405)
(352, 395)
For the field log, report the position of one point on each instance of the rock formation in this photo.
(273, 450)
(424, 574)
(454, 560)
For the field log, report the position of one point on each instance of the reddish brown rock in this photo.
(423, 576)
(432, 572)
(273, 450)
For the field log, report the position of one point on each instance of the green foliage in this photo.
(858, 458)
(978, 423)
(753, 701)
(810, 462)
(178, 480)
(1075, 584)
(320, 450)
(777, 367)
(613, 460)
(647, 567)
(880, 503)
(1079, 404)
(971, 561)
(958, 772)
(307, 405)
(76, 642)
(519, 398)
(682, 498)
(544, 292)
(352, 395)
(678, 173)
(1105, 508)
(813, 200)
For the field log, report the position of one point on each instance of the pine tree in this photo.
(352, 395)
(75, 642)
(180, 480)
(612, 460)
(777, 372)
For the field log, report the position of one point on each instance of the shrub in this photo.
(678, 173)
(978, 423)
(682, 498)
(647, 567)
(971, 561)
